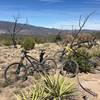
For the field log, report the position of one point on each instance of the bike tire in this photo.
(49, 66)
(58, 57)
(13, 72)
(71, 68)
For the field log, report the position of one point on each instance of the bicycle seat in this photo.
(25, 52)
(42, 50)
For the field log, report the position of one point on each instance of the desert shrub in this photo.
(86, 40)
(36, 39)
(97, 35)
(7, 42)
(83, 60)
(28, 43)
(95, 52)
(51, 88)
(67, 39)
(39, 40)
(58, 37)
(85, 37)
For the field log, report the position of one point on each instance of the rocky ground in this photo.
(10, 54)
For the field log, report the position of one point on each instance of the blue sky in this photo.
(52, 13)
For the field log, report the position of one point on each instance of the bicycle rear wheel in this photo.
(59, 57)
(49, 66)
(71, 68)
(15, 72)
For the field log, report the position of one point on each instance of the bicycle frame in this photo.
(28, 58)
(63, 53)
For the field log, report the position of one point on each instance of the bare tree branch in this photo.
(80, 21)
(81, 26)
(14, 30)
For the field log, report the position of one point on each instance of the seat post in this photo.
(42, 55)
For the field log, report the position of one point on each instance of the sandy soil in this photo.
(92, 82)
(9, 55)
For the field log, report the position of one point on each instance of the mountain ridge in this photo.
(28, 29)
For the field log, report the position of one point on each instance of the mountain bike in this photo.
(20, 70)
(45, 64)
(69, 64)
(61, 55)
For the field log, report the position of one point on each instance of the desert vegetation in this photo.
(51, 87)
(38, 75)
(50, 49)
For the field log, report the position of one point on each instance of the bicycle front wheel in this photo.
(14, 72)
(50, 66)
(71, 68)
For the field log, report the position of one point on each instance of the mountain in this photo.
(33, 30)
(26, 29)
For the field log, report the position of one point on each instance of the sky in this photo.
(62, 14)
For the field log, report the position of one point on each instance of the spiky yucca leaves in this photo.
(59, 88)
(55, 87)
(34, 93)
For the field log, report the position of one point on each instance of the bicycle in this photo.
(61, 55)
(19, 70)
(45, 64)
(72, 69)
(68, 63)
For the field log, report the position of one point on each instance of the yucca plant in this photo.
(51, 88)
(59, 88)
(34, 93)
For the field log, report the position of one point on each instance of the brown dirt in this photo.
(9, 55)
(92, 82)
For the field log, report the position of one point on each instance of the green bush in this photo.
(58, 37)
(39, 40)
(83, 61)
(28, 43)
(7, 42)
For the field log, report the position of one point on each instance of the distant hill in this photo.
(27, 29)
(33, 30)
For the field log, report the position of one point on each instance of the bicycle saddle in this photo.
(25, 52)
(42, 50)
